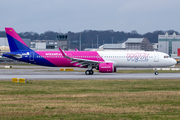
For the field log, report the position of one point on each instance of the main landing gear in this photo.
(156, 72)
(89, 71)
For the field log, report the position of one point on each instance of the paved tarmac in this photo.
(51, 73)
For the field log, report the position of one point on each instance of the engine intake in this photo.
(107, 67)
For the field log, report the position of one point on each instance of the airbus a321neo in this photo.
(104, 61)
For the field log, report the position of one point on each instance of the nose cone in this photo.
(173, 61)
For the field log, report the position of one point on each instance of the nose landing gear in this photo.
(156, 72)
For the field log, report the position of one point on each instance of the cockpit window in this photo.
(166, 56)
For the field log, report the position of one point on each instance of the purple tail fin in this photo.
(15, 42)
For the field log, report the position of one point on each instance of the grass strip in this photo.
(90, 99)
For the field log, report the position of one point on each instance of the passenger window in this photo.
(166, 56)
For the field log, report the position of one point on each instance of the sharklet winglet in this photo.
(63, 54)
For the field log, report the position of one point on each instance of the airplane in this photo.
(104, 61)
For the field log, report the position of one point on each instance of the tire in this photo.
(87, 72)
(156, 73)
(91, 72)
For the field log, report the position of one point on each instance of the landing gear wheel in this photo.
(89, 72)
(156, 73)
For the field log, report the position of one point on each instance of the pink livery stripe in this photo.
(11, 32)
(56, 57)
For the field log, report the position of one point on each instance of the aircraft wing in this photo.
(82, 62)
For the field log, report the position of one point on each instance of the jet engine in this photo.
(107, 67)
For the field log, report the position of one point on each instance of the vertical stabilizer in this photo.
(15, 42)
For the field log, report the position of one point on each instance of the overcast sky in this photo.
(78, 15)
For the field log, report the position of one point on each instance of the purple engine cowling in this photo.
(107, 67)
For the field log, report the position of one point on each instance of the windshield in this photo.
(166, 56)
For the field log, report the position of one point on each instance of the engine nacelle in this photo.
(107, 67)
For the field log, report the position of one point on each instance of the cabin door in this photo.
(156, 57)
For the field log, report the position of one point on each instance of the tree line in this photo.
(89, 38)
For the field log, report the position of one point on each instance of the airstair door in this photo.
(156, 57)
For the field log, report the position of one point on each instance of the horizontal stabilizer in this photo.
(13, 55)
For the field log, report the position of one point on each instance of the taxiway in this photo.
(49, 73)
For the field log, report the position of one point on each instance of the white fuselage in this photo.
(137, 58)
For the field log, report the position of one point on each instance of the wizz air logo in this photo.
(137, 57)
(25, 53)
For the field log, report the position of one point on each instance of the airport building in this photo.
(48, 45)
(130, 44)
(138, 44)
(155, 46)
(119, 46)
(43, 44)
(168, 43)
